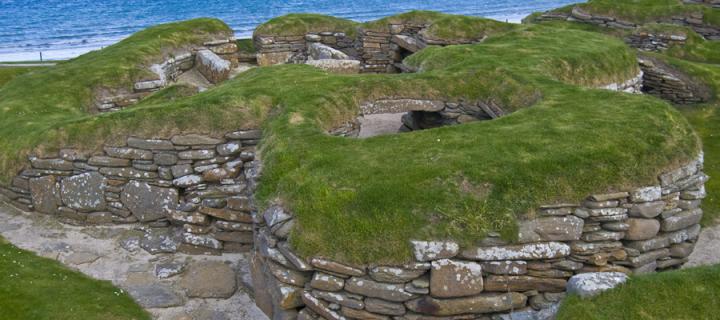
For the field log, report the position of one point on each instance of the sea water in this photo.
(62, 29)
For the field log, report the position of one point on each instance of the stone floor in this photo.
(169, 286)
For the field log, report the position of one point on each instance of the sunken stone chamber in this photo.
(191, 193)
(213, 60)
(648, 229)
(387, 116)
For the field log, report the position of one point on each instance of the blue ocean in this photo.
(67, 28)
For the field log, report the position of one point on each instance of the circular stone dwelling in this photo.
(422, 166)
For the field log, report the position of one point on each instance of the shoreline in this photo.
(58, 54)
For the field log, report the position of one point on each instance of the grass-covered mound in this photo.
(362, 200)
(43, 289)
(441, 25)
(685, 294)
(646, 11)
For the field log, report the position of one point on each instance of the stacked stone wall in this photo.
(379, 50)
(643, 230)
(190, 193)
(293, 49)
(669, 84)
(655, 41)
(694, 21)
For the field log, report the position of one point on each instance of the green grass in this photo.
(9, 73)
(362, 200)
(684, 294)
(38, 288)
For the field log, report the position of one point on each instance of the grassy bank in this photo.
(684, 294)
(43, 289)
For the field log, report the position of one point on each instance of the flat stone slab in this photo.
(83, 257)
(155, 296)
(591, 284)
(209, 279)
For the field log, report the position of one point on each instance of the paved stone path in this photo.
(155, 281)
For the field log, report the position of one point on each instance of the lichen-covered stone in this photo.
(370, 288)
(531, 251)
(682, 220)
(84, 192)
(148, 202)
(591, 284)
(336, 267)
(505, 267)
(453, 278)
(340, 298)
(398, 274)
(566, 228)
(327, 282)
(434, 250)
(646, 194)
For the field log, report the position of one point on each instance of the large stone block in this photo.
(531, 251)
(642, 229)
(148, 202)
(452, 278)
(591, 284)
(212, 67)
(567, 228)
(524, 283)
(434, 250)
(370, 288)
(84, 192)
(45, 193)
(485, 303)
(336, 66)
(319, 51)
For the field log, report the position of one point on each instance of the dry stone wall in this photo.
(214, 60)
(655, 41)
(644, 230)
(191, 193)
(379, 50)
(667, 83)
